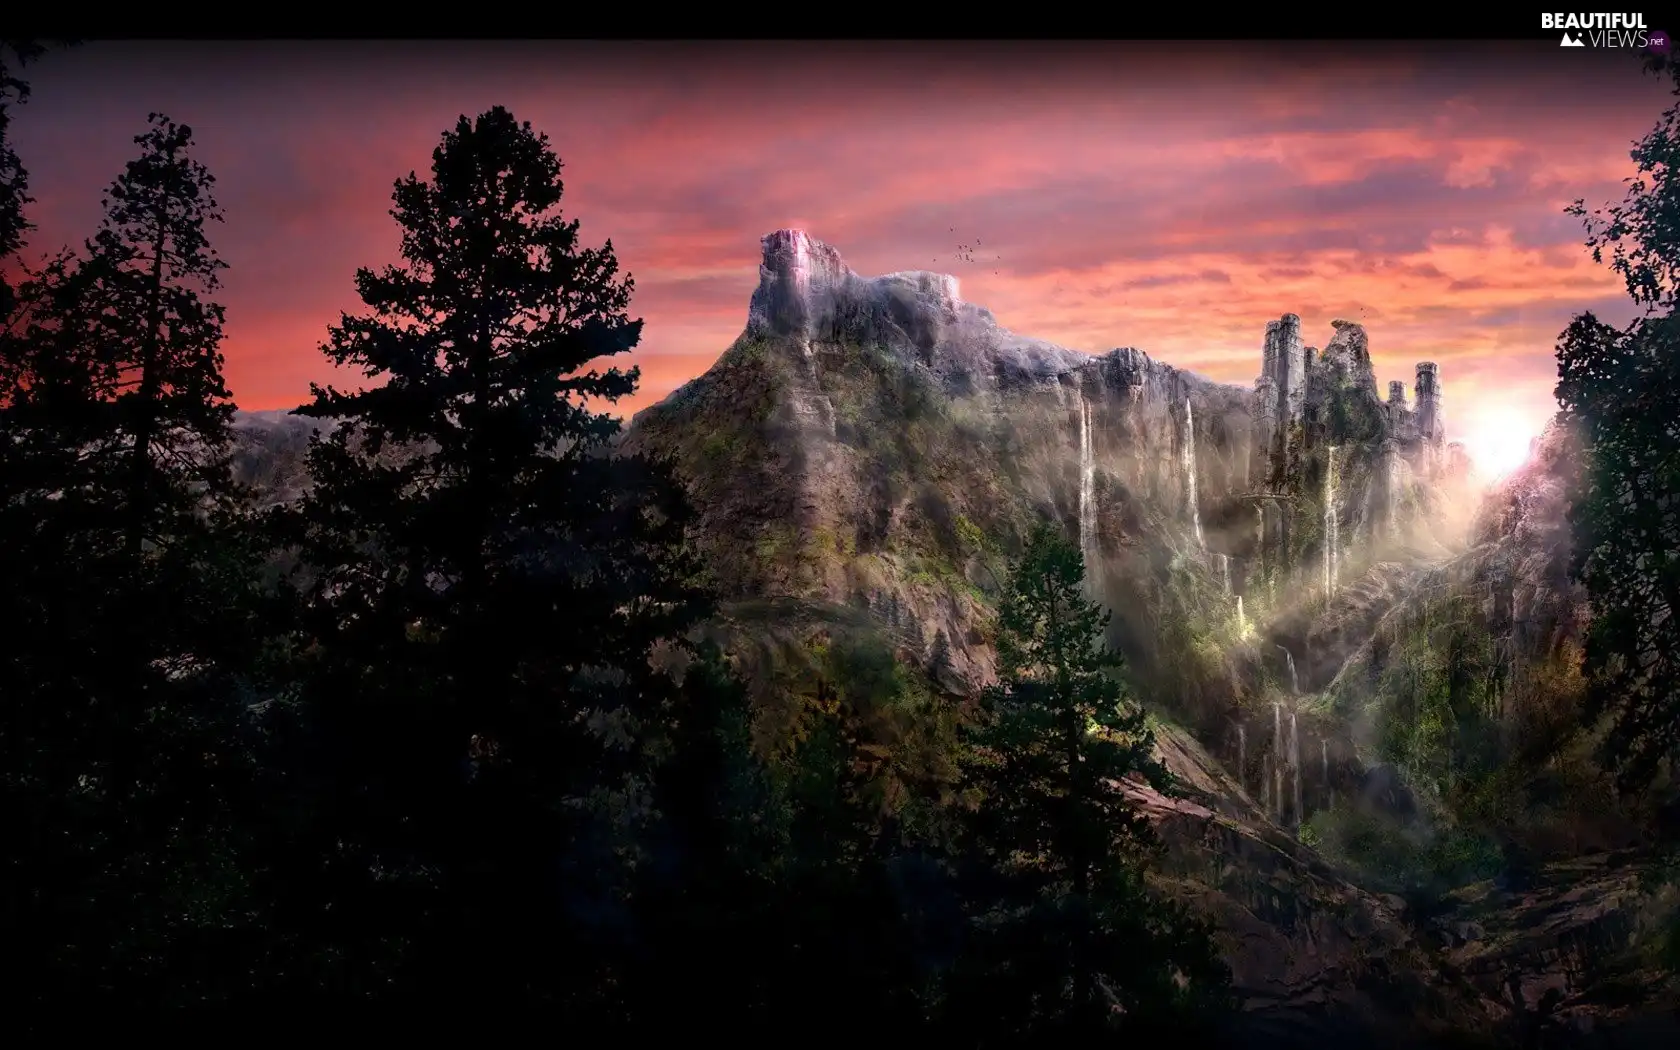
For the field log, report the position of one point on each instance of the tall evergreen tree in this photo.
(151, 267)
(125, 728)
(14, 179)
(1066, 938)
(487, 583)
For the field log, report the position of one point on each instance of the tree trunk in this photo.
(140, 468)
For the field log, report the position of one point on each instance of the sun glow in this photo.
(1498, 442)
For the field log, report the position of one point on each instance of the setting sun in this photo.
(1498, 442)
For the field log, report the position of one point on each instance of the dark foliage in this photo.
(1618, 388)
(465, 748)
(1067, 940)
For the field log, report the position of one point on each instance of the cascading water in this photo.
(1289, 667)
(1277, 757)
(1191, 498)
(1242, 620)
(1242, 752)
(1266, 784)
(1295, 763)
(1324, 763)
(1331, 525)
(1277, 789)
(1087, 491)
(1224, 572)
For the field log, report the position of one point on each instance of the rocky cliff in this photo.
(877, 448)
(1291, 572)
(882, 443)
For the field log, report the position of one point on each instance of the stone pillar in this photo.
(1292, 365)
(1391, 486)
(1431, 425)
(1265, 433)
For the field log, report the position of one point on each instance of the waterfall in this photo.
(1087, 491)
(1224, 572)
(1277, 789)
(1295, 764)
(1324, 763)
(1277, 757)
(1289, 665)
(1242, 620)
(1331, 525)
(1242, 751)
(1266, 784)
(1194, 503)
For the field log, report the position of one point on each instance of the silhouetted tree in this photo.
(14, 179)
(124, 743)
(487, 584)
(1066, 939)
(1618, 389)
(1622, 390)
(160, 339)
(768, 899)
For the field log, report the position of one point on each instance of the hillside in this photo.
(876, 447)
(1362, 668)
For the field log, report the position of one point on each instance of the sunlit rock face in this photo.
(887, 444)
(873, 450)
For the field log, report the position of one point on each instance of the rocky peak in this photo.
(806, 293)
(1349, 351)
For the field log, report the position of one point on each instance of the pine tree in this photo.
(116, 388)
(151, 265)
(488, 582)
(1067, 939)
(14, 179)
(126, 738)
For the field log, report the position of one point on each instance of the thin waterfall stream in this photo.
(1087, 492)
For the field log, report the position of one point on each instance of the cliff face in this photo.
(881, 443)
(870, 452)
(876, 448)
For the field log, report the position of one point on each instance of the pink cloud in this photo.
(1107, 185)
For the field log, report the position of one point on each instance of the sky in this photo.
(1169, 197)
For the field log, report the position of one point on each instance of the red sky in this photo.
(1165, 196)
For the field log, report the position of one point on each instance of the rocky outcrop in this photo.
(869, 453)
(1315, 960)
(269, 450)
(879, 442)
(1340, 475)
(1565, 954)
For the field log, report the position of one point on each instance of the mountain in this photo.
(1363, 671)
(879, 443)
(871, 451)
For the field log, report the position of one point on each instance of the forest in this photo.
(449, 727)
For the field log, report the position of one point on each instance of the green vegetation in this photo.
(1067, 941)
(1489, 748)
(1352, 416)
(477, 743)
(1620, 390)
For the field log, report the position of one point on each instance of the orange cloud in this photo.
(1168, 199)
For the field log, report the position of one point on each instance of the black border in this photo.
(691, 21)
